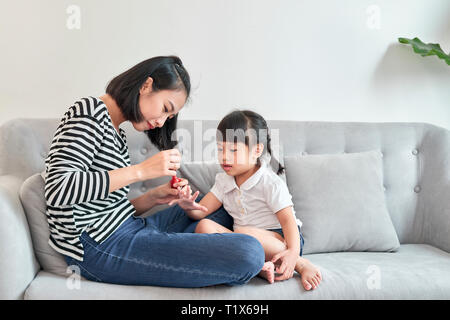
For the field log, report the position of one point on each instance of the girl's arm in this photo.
(289, 256)
(209, 202)
(290, 229)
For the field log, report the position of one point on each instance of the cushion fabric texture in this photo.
(341, 202)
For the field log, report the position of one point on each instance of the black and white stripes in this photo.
(84, 148)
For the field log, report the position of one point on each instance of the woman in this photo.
(87, 177)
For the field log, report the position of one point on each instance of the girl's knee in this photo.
(246, 230)
(204, 226)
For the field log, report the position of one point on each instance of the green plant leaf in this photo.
(426, 49)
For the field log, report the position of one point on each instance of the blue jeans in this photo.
(162, 250)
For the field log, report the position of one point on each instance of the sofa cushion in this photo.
(201, 174)
(341, 202)
(33, 201)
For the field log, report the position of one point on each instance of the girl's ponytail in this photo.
(269, 150)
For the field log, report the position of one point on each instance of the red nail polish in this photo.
(174, 180)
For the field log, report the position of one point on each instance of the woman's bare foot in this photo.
(268, 271)
(310, 274)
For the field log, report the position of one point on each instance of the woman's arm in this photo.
(69, 179)
(164, 163)
(143, 203)
(122, 177)
(162, 194)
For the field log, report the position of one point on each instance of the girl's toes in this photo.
(306, 285)
(267, 271)
(266, 266)
(319, 279)
(316, 282)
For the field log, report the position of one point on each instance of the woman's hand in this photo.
(288, 260)
(164, 163)
(187, 201)
(164, 193)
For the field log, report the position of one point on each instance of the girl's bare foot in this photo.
(268, 271)
(310, 274)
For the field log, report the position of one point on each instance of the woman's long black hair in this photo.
(168, 73)
(239, 122)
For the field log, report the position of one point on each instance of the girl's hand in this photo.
(164, 193)
(288, 260)
(164, 163)
(187, 201)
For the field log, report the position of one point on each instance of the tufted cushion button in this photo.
(417, 189)
(143, 188)
(415, 151)
(384, 188)
(144, 150)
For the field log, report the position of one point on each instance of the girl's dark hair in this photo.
(168, 73)
(238, 124)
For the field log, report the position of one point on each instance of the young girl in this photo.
(256, 198)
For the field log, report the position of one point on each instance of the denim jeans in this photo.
(162, 250)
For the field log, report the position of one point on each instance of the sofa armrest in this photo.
(435, 205)
(18, 263)
(437, 218)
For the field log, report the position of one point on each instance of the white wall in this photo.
(287, 59)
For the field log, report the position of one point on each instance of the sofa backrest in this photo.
(407, 148)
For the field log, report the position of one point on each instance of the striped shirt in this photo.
(85, 147)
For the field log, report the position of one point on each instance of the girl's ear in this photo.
(147, 87)
(259, 148)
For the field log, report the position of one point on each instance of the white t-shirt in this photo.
(257, 201)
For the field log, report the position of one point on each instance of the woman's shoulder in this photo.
(89, 107)
(87, 110)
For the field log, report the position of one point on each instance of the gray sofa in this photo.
(416, 179)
